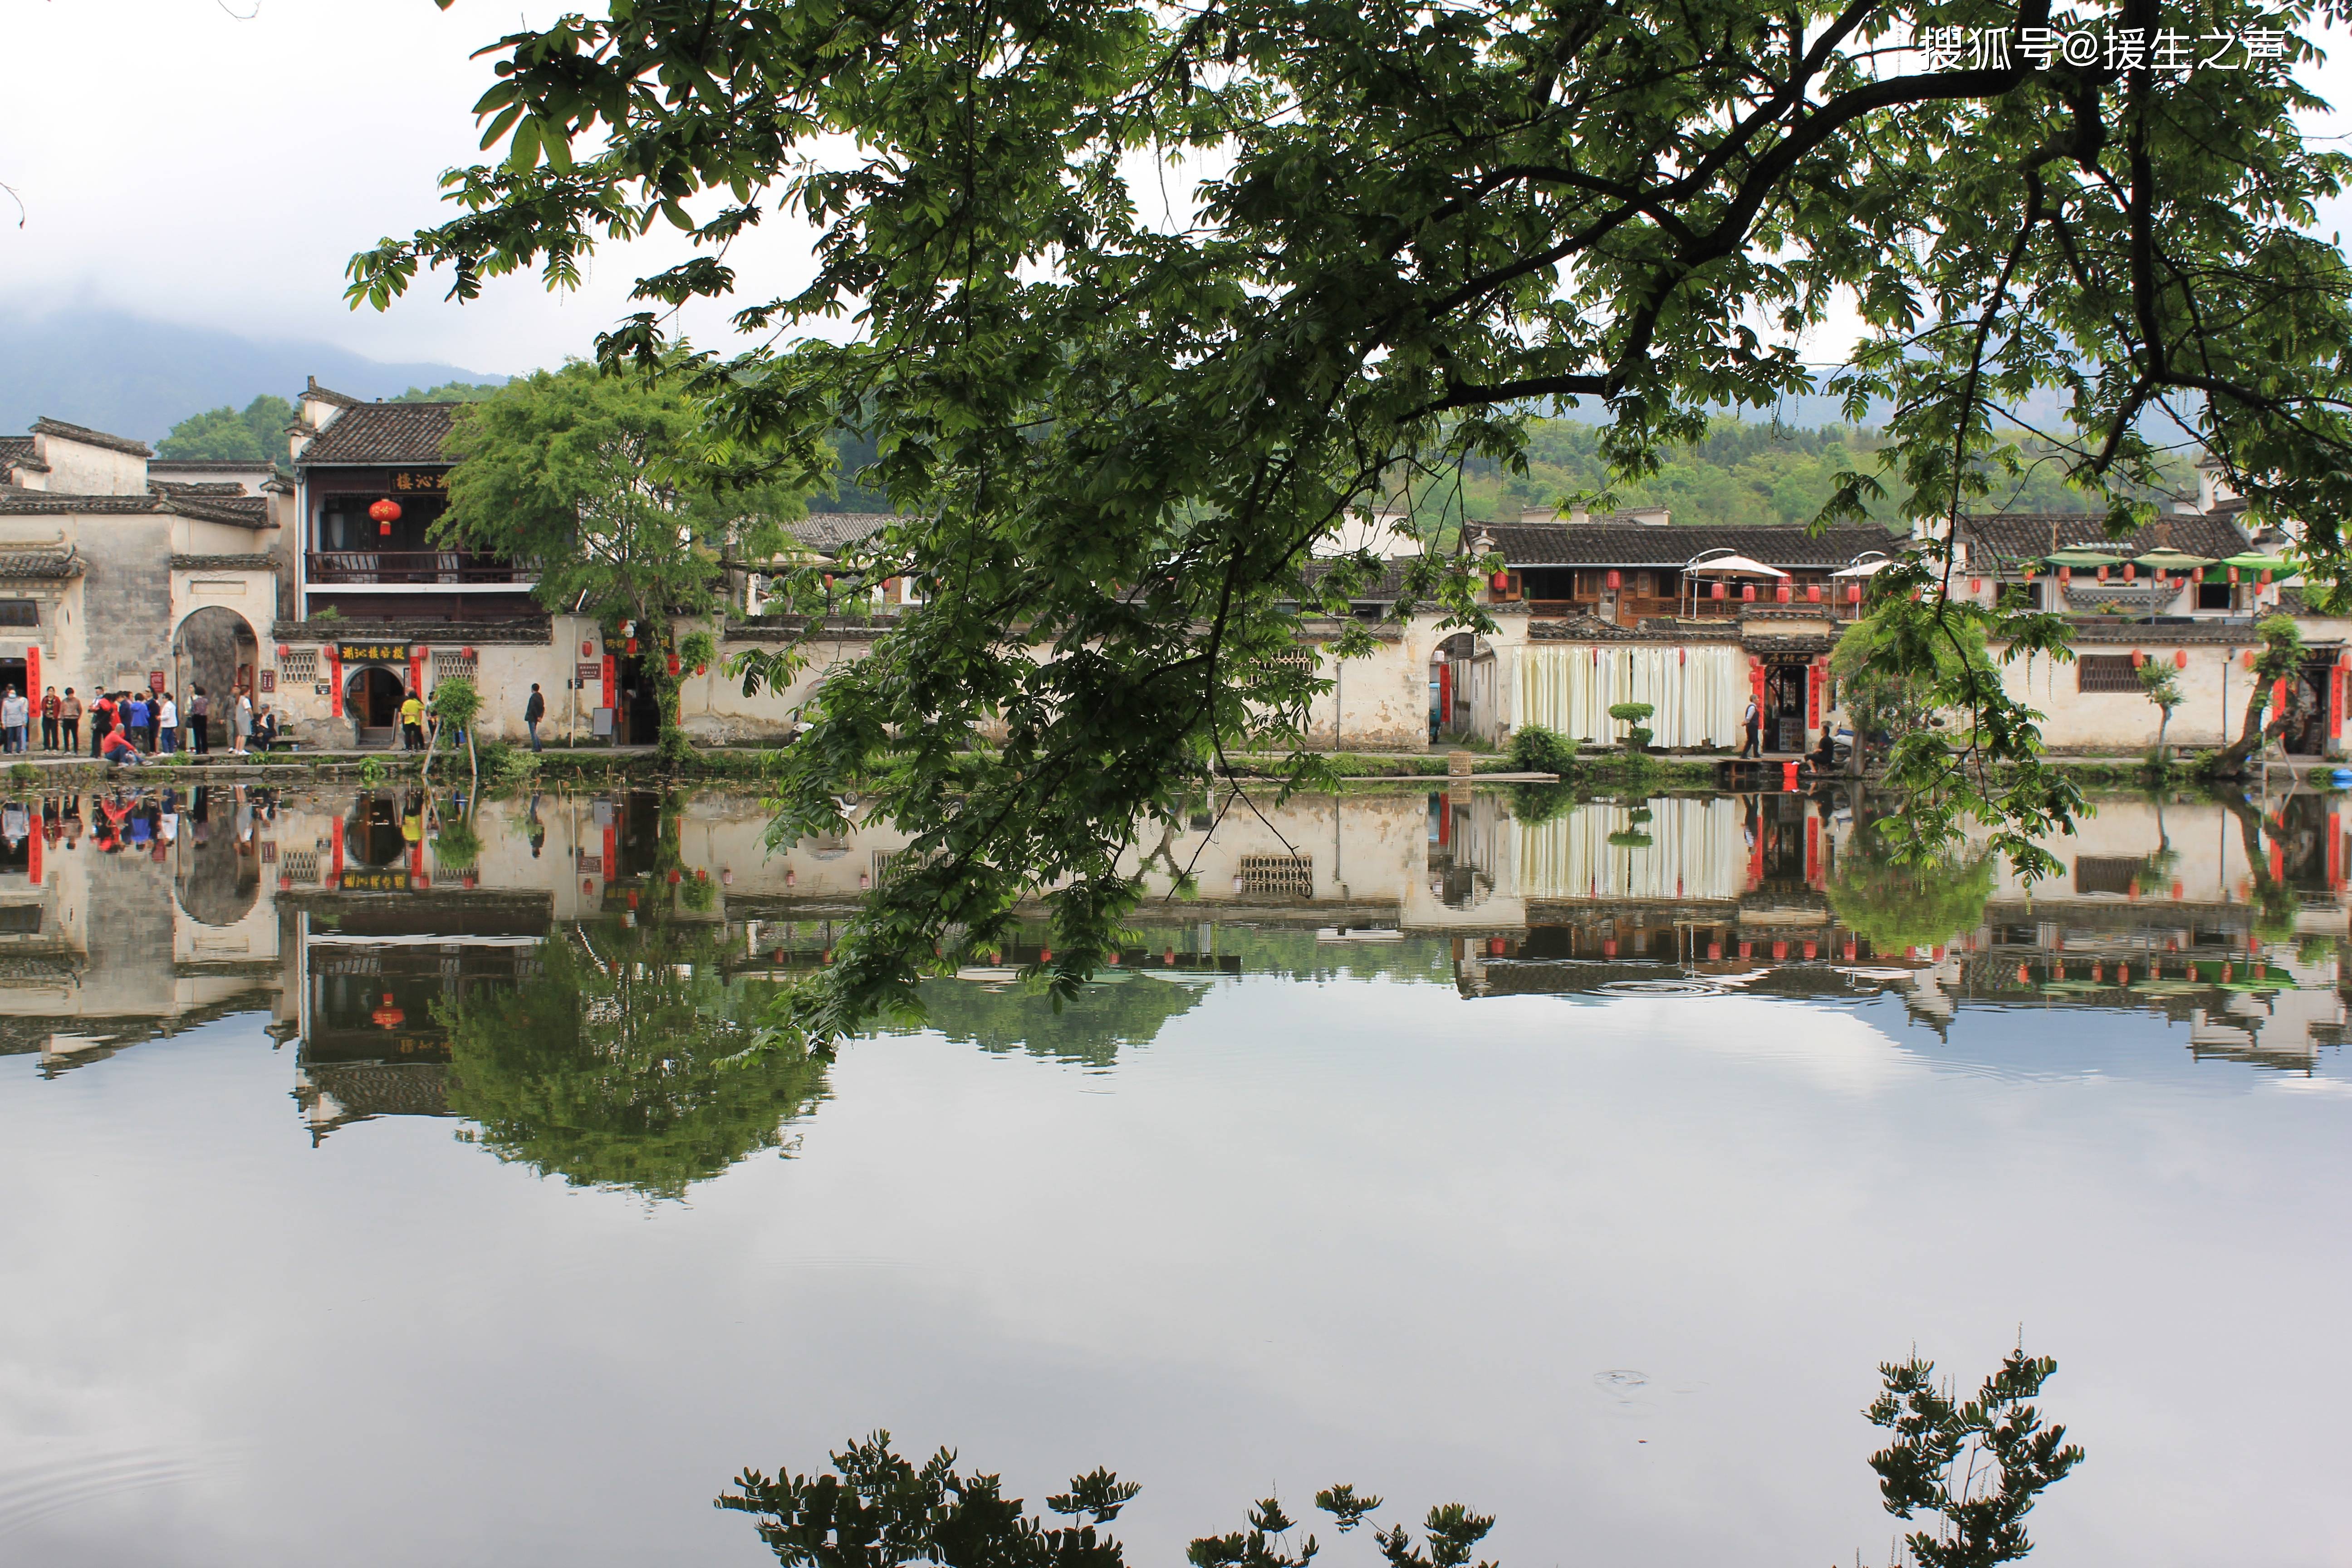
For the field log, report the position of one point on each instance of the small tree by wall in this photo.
(2281, 659)
(2161, 682)
(1631, 714)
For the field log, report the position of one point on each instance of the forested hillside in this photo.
(1742, 473)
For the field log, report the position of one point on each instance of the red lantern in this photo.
(387, 513)
(2247, 658)
(1616, 581)
(1975, 584)
(2266, 580)
(1812, 592)
(466, 652)
(587, 650)
(1715, 592)
(1782, 592)
(2138, 659)
(1748, 593)
(2131, 571)
(388, 1016)
(1500, 582)
(2234, 576)
(283, 650)
(2023, 974)
(632, 644)
(2066, 576)
(2180, 659)
(1853, 594)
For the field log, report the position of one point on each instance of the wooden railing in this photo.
(406, 567)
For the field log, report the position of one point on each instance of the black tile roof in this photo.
(44, 425)
(15, 449)
(197, 486)
(2010, 536)
(831, 532)
(1524, 544)
(373, 433)
(314, 392)
(40, 564)
(225, 563)
(239, 511)
(537, 631)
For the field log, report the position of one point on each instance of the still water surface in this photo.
(371, 1200)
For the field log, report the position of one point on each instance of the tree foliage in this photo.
(1116, 429)
(613, 1066)
(254, 434)
(449, 392)
(1976, 1465)
(600, 480)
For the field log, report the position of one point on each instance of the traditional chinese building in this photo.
(118, 571)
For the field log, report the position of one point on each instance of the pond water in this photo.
(372, 1198)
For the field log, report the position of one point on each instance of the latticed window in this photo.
(2105, 672)
(299, 865)
(298, 664)
(448, 663)
(1292, 875)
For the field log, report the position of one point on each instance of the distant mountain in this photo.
(116, 372)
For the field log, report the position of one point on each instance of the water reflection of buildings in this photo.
(355, 920)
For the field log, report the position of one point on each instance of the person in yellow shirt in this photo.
(412, 723)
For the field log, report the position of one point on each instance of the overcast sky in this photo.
(181, 163)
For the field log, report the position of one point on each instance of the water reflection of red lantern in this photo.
(388, 1016)
(387, 513)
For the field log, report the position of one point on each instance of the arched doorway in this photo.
(214, 649)
(219, 878)
(372, 698)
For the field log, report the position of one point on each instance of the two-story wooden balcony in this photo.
(416, 568)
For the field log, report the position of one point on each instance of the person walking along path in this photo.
(69, 720)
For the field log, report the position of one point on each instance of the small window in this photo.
(2116, 874)
(2213, 596)
(1292, 875)
(19, 613)
(2105, 672)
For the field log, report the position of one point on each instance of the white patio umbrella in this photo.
(1734, 566)
(1864, 568)
(1725, 566)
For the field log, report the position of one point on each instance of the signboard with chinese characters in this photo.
(392, 881)
(372, 652)
(269, 680)
(154, 681)
(410, 480)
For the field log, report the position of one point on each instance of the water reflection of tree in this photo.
(606, 1068)
(1893, 904)
(1089, 1028)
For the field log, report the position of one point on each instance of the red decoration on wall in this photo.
(2180, 659)
(387, 513)
(283, 650)
(587, 650)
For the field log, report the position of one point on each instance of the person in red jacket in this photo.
(101, 722)
(118, 751)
